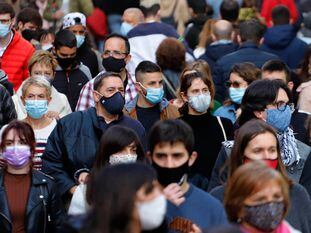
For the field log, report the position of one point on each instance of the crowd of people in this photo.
(160, 116)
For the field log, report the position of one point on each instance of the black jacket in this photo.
(7, 112)
(88, 58)
(70, 82)
(43, 215)
(72, 145)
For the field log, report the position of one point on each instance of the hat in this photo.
(74, 18)
(149, 3)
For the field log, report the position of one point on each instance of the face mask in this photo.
(113, 104)
(46, 47)
(80, 40)
(280, 120)
(36, 108)
(4, 30)
(125, 28)
(116, 159)
(200, 103)
(236, 94)
(265, 217)
(17, 156)
(167, 176)
(113, 64)
(154, 95)
(152, 213)
(65, 63)
(272, 163)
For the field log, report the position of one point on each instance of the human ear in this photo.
(192, 158)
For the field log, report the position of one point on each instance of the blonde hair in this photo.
(42, 57)
(38, 81)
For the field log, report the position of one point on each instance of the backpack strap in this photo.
(222, 127)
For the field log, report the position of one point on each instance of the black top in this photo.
(208, 137)
(148, 116)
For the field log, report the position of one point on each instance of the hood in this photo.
(279, 36)
(215, 52)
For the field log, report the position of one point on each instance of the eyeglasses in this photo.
(5, 21)
(281, 106)
(114, 53)
(234, 84)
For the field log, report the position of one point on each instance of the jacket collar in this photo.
(248, 45)
(130, 106)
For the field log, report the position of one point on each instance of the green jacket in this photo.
(84, 6)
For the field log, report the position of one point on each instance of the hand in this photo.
(58, 14)
(195, 229)
(52, 115)
(174, 194)
(73, 189)
(83, 177)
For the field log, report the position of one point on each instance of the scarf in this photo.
(288, 145)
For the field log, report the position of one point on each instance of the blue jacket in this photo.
(281, 40)
(73, 143)
(248, 52)
(227, 112)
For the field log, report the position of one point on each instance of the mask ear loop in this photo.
(144, 88)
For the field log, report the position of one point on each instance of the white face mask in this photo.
(122, 158)
(46, 46)
(152, 213)
(200, 103)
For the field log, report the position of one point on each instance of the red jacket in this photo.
(14, 60)
(268, 5)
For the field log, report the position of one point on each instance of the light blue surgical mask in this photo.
(236, 94)
(154, 95)
(278, 119)
(36, 108)
(4, 30)
(200, 103)
(80, 40)
(125, 28)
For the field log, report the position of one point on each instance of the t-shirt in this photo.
(41, 136)
(200, 208)
(148, 116)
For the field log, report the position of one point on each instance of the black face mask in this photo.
(113, 104)
(65, 63)
(113, 64)
(167, 176)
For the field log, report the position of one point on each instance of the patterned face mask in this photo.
(122, 158)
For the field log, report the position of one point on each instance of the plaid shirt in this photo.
(86, 95)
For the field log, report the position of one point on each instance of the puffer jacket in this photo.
(43, 214)
(14, 60)
(7, 112)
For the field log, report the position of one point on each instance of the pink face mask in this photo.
(17, 156)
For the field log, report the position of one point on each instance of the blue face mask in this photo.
(236, 94)
(154, 95)
(125, 28)
(36, 108)
(80, 40)
(4, 30)
(280, 120)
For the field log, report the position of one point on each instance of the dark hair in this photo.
(65, 38)
(6, 8)
(29, 15)
(124, 38)
(304, 75)
(247, 180)
(247, 71)
(150, 11)
(43, 33)
(146, 67)
(258, 95)
(198, 6)
(23, 131)
(277, 65)
(171, 54)
(280, 15)
(245, 134)
(229, 10)
(115, 139)
(99, 79)
(113, 196)
(171, 131)
(251, 30)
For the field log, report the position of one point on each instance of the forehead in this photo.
(266, 139)
(67, 50)
(40, 66)
(155, 76)
(77, 28)
(12, 135)
(115, 43)
(111, 82)
(5, 16)
(197, 83)
(274, 75)
(170, 148)
(35, 89)
(235, 77)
